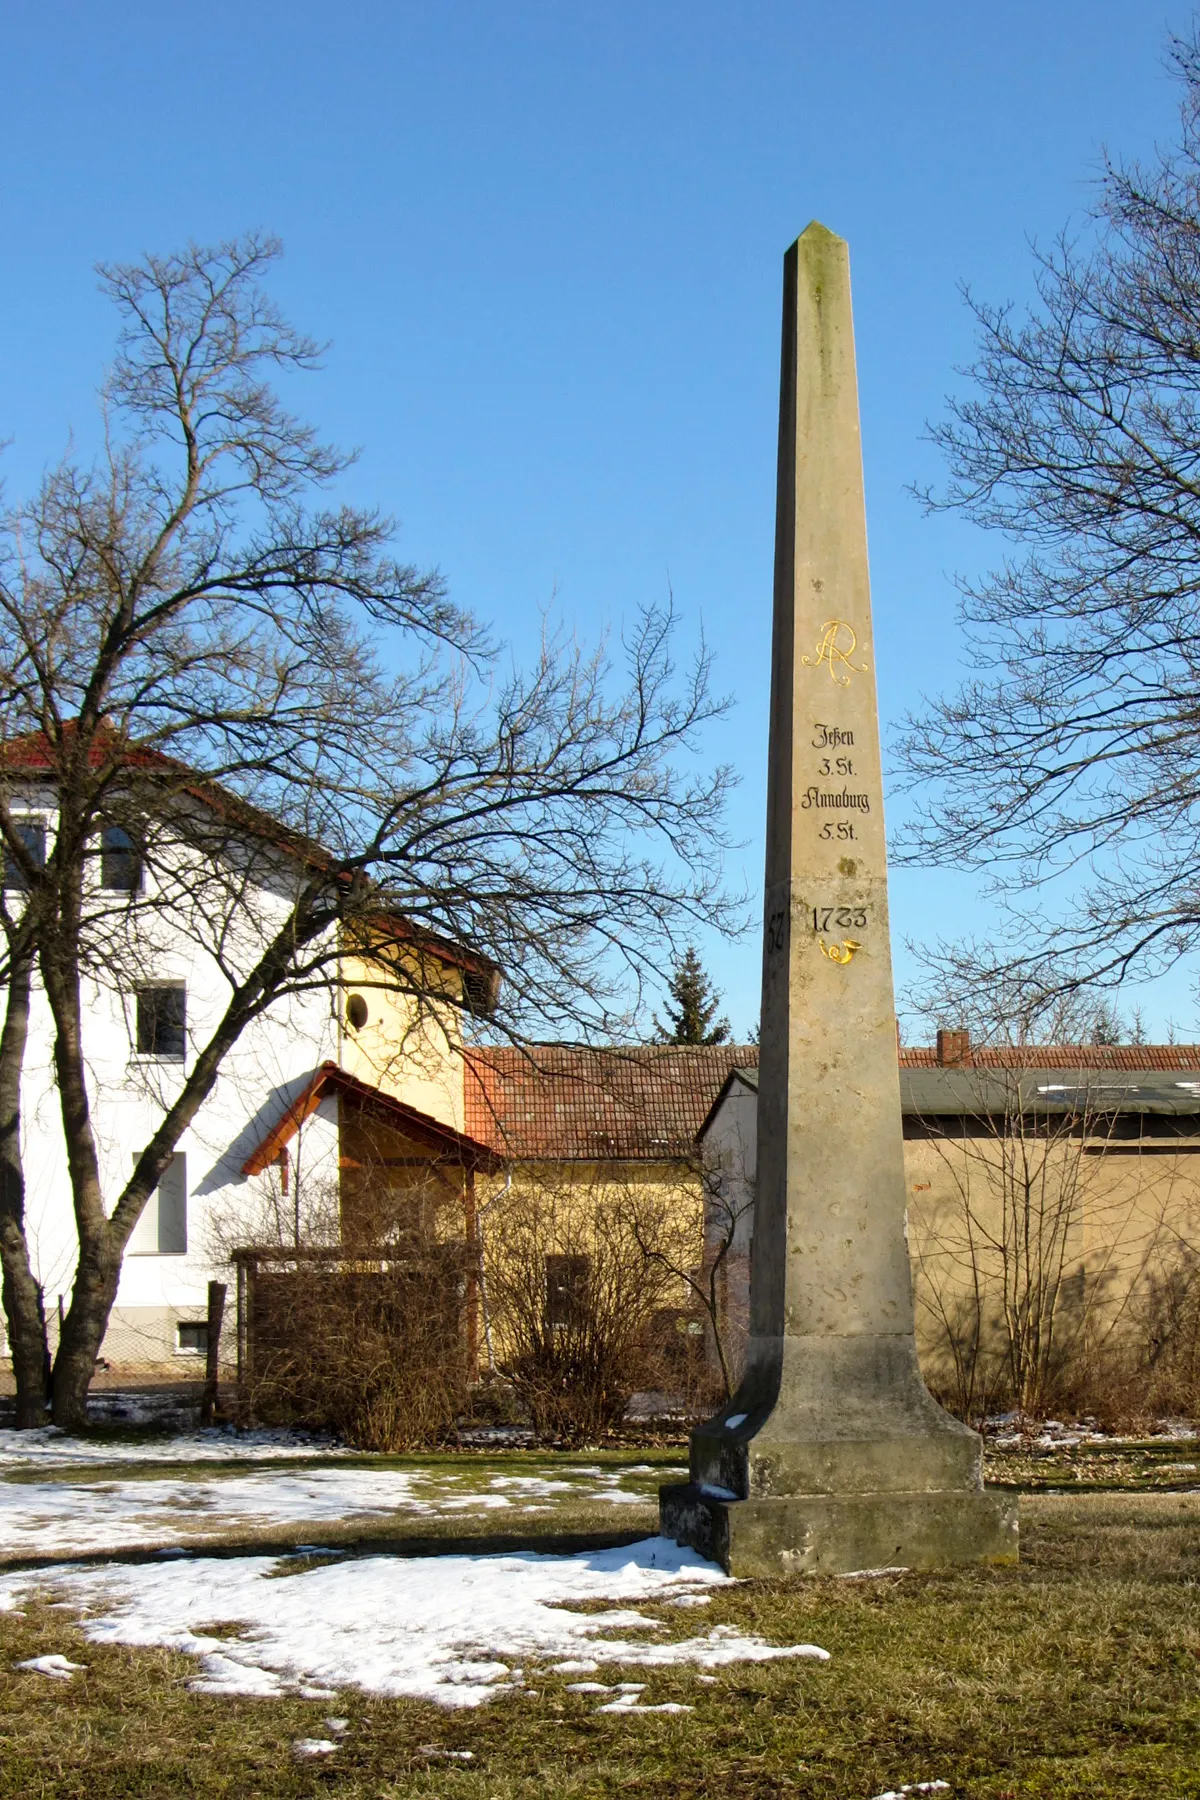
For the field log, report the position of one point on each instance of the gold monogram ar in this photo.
(840, 953)
(837, 645)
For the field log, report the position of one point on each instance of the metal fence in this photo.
(175, 1349)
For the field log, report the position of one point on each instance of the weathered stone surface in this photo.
(823, 1534)
(832, 1443)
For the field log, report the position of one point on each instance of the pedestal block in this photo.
(840, 1534)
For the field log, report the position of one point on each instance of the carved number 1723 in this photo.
(845, 918)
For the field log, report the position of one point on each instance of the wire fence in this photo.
(149, 1347)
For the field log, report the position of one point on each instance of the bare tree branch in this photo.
(1072, 755)
(307, 746)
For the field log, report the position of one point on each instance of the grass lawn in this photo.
(1074, 1674)
(478, 1503)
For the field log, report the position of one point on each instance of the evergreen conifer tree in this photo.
(691, 1019)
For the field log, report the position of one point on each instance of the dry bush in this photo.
(1152, 1371)
(1144, 1369)
(582, 1318)
(1043, 1244)
(371, 1347)
(1167, 1311)
(357, 1309)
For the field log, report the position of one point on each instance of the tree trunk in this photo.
(99, 1268)
(95, 1289)
(24, 1310)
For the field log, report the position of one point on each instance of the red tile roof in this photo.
(441, 1140)
(1063, 1056)
(583, 1105)
(649, 1102)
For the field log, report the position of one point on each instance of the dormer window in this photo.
(120, 861)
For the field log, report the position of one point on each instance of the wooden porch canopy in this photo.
(442, 1141)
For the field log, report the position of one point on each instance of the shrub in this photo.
(370, 1345)
(577, 1306)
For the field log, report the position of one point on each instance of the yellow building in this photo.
(1050, 1187)
(1054, 1204)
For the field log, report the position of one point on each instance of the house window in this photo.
(191, 1337)
(162, 1228)
(32, 834)
(120, 861)
(567, 1282)
(162, 1021)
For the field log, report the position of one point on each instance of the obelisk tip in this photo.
(815, 229)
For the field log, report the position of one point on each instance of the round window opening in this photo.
(356, 1012)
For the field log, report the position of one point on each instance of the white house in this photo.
(178, 922)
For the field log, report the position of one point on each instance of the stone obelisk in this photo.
(832, 1456)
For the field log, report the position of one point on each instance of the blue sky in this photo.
(545, 243)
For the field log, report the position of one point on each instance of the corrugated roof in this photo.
(991, 1091)
(575, 1104)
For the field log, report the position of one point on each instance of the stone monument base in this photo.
(837, 1534)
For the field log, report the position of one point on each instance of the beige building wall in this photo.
(410, 1048)
(996, 1214)
(1093, 1216)
(594, 1209)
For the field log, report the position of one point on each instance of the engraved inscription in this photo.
(840, 918)
(830, 737)
(777, 931)
(825, 800)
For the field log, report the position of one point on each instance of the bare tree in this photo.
(572, 1296)
(1033, 1234)
(307, 745)
(24, 1305)
(727, 1215)
(1072, 754)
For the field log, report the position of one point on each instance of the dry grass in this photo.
(1074, 1675)
(570, 1519)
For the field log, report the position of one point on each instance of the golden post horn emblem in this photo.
(842, 953)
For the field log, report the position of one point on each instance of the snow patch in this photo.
(50, 1445)
(454, 1629)
(57, 1666)
(67, 1517)
(628, 1703)
(914, 1787)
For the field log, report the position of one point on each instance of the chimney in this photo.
(953, 1049)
